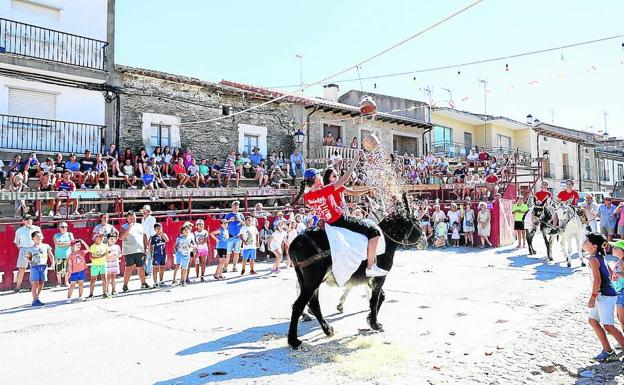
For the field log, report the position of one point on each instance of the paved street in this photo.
(451, 316)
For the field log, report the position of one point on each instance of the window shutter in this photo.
(33, 13)
(32, 104)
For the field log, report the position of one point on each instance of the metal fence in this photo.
(48, 44)
(31, 134)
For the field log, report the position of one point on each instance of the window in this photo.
(442, 139)
(30, 103)
(504, 141)
(225, 110)
(620, 171)
(587, 170)
(603, 170)
(250, 136)
(249, 142)
(334, 130)
(160, 135)
(36, 14)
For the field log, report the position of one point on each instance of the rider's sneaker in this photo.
(606, 356)
(376, 271)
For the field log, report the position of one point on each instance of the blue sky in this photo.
(256, 42)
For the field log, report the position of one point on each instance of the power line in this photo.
(513, 56)
(445, 19)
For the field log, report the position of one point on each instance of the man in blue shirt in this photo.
(255, 157)
(608, 221)
(235, 222)
(296, 163)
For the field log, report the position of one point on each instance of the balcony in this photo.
(461, 150)
(321, 155)
(18, 133)
(549, 170)
(568, 172)
(47, 44)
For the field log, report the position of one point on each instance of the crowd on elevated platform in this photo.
(162, 169)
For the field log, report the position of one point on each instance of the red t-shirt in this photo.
(565, 196)
(178, 169)
(326, 202)
(541, 196)
(484, 156)
(491, 179)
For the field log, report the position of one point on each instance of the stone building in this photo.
(159, 109)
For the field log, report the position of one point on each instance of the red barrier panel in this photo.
(83, 229)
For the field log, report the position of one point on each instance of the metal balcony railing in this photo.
(47, 44)
(461, 150)
(19, 133)
(549, 170)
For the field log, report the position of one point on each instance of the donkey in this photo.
(539, 217)
(311, 254)
(571, 228)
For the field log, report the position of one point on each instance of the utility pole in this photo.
(300, 58)
(605, 121)
(552, 115)
(484, 82)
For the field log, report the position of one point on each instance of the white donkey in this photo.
(571, 228)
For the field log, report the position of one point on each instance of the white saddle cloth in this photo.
(348, 250)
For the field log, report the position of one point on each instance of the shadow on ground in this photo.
(260, 362)
(543, 271)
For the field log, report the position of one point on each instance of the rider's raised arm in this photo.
(343, 179)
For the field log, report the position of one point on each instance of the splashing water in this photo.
(380, 173)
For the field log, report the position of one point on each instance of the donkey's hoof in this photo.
(569, 264)
(377, 326)
(294, 343)
(340, 309)
(329, 331)
(305, 317)
(583, 264)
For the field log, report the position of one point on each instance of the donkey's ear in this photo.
(406, 204)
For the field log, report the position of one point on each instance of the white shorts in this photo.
(22, 262)
(604, 310)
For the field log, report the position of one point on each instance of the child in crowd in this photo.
(603, 297)
(250, 239)
(183, 246)
(149, 179)
(276, 244)
(157, 246)
(221, 238)
(201, 239)
(112, 262)
(204, 173)
(38, 256)
(193, 173)
(455, 235)
(179, 171)
(128, 173)
(99, 255)
(76, 265)
(617, 248)
(293, 231)
(261, 174)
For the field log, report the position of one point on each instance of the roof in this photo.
(326, 105)
(568, 134)
(475, 118)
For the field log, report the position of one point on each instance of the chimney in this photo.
(330, 92)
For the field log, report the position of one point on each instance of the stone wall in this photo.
(181, 102)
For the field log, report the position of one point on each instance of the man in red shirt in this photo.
(542, 195)
(569, 194)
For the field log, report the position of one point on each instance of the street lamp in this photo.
(536, 122)
(605, 136)
(546, 155)
(299, 137)
(529, 118)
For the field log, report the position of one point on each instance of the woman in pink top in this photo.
(620, 224)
